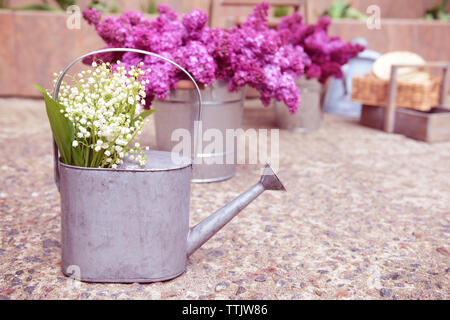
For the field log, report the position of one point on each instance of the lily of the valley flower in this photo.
(104, 106)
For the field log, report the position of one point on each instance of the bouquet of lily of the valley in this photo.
(96, 119)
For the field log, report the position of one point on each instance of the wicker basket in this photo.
(422, 96)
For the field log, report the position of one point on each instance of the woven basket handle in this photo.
(63, 73)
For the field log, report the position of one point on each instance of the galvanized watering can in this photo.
(131, 224)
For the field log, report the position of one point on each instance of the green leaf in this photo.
(64, 4)
(77, 156)
(352, 13)
(338, 9)
(62, 128)
(144, 114)
(114, 7)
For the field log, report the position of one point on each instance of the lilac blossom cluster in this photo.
(183, 41)
(251, 54)
(254, 54)
(327, 54)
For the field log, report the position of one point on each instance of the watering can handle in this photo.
(63, 73)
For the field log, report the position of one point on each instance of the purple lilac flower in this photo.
(195, 23)
(326, 54)
(251, 55)
(257, 56)
(92, 16)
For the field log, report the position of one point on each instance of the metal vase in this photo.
(221, 110)
(338, 98)
(309, 114)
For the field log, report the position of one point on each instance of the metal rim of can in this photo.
(68, 166)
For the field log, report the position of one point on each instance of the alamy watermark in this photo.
(373, 277)
(73, 21)
(74, 274)
(230, 146)
(373, 22)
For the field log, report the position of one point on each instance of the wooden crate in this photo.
(431, 126)
(370, 90)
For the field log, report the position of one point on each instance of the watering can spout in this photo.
(203, 231)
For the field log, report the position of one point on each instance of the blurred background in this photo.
(37, 42)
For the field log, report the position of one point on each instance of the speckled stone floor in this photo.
(366, 216)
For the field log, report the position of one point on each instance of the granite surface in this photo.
(366, 216)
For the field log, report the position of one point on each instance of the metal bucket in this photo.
(221, 110)
(308, 116)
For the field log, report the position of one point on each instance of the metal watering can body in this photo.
(131, 224)
(126, 225)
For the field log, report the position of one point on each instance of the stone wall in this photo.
(37, 45)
